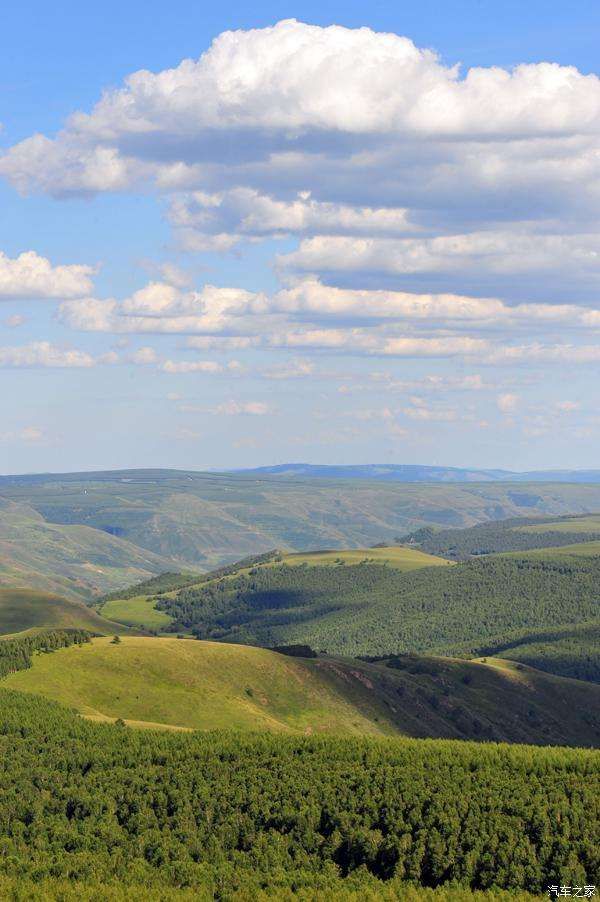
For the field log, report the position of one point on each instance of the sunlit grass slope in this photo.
(202, 685)
(589, 523)
(397, 556)
(184, 683)
(580, 549)
(139, 611)
(25, 609)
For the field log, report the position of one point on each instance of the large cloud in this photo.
(350, 99)
(163, 308)
(516, 263)
(30, 276)
(432, 207)
(221, 220)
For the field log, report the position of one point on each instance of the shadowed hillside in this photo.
(26, 609)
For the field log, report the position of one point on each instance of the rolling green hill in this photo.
(137, 606)
(27, 609)
(202, 520)
(374, 609)
(182, 683)
(71, 560)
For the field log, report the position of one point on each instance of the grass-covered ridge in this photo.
(399, 557)
(26, 609)
(222, 813)
(186, 684)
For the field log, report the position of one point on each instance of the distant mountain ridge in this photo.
(422, 473)
(91, 533)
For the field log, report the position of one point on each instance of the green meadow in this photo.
(139, 612)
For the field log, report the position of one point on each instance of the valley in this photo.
(186, 520)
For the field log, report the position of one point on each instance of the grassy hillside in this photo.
(202, 520)
(585, 524)
(26, 609)
(71, 560)
(200, 685)
(397, 556)
(580, 549)
(139, 611)
(182, 683)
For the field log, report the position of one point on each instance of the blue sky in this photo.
(311, 243)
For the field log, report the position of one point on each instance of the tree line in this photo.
(17, 653)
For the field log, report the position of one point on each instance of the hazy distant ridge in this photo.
(419, 473)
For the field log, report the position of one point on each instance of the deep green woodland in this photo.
(221, 812)
(478, 607)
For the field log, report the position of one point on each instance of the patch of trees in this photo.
(494, 538)
(169, 582)
(224, 813)
(17, 654)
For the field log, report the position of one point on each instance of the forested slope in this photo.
(222, 812)
(479, 606)
(515, 534)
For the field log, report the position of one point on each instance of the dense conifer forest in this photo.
(476, 607)
(504, 535)
(220, 811)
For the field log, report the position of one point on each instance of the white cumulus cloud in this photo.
(30, 277)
